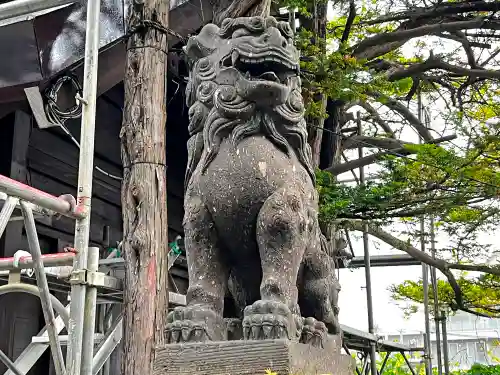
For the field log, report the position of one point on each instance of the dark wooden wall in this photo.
(20, 314)
(52, 165)
(48, 160)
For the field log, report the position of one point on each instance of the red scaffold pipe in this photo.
(40, 198)
(26, 262)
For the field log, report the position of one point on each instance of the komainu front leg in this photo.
(282, 231)
(201, 319)
(318, 294)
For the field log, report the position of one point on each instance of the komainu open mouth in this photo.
(264, 66)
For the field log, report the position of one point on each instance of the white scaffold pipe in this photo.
(7, 210)
(90, 315)
(10, 365)
(45, 296)
(85, 171)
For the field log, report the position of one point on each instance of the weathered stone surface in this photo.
(250, 358)
(251, 207)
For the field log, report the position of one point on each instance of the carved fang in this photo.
(234, 57)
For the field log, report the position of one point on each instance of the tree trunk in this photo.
(223, 9)
(331, 141)
(317, 24)
(144, 189)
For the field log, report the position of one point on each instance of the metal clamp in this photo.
(94, 279)
(89, 278)
(14, 277)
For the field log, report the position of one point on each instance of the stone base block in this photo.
(250, 358)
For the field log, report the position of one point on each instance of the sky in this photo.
(388, 316)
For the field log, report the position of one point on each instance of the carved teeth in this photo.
(234, 57)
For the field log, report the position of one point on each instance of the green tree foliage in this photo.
(376, 57)
(481, 370)
(482, 291)
(396, 365)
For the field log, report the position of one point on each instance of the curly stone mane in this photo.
(225, 66)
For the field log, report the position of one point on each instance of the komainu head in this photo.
(255, 54)
(244, 80)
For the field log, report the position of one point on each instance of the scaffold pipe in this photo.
(7, 210)
(48, 260)
(33, 290)
(10, 365)
(47, 201)
(45, 296)
(84, 198)
(89, 315)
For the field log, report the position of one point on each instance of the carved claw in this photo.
(299, 324)
(192, 324)
(314, 333)
(234, 329)
(268, 320)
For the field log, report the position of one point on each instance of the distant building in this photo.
(471, 340)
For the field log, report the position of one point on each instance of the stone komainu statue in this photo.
(251, 208)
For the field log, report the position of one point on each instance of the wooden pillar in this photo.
(144, 186)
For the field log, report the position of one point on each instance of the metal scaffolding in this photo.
(88, 285)
(43, 275)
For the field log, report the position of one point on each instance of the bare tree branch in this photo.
(363, 162)
(439, 264)
(434, 62)
(376, 117)
(405, 112)
(439, 10)
(461, 38)
(490, 57)
(370, 159)
(223, 9)
(370, 48)
(378, 142)
(349, 22)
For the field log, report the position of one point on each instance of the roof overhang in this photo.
(39, 46)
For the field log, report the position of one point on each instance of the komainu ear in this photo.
(203, 44)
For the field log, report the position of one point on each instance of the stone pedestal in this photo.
(250, 358)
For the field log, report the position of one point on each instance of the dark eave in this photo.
(38, 47)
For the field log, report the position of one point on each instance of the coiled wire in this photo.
(54, 113)
(58, 117)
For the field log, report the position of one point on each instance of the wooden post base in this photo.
(250, 358)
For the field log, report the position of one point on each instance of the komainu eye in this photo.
(285, 29)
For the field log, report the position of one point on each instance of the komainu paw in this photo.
(234, 330)
(314, 332)
(268, 320)
(193, 324)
